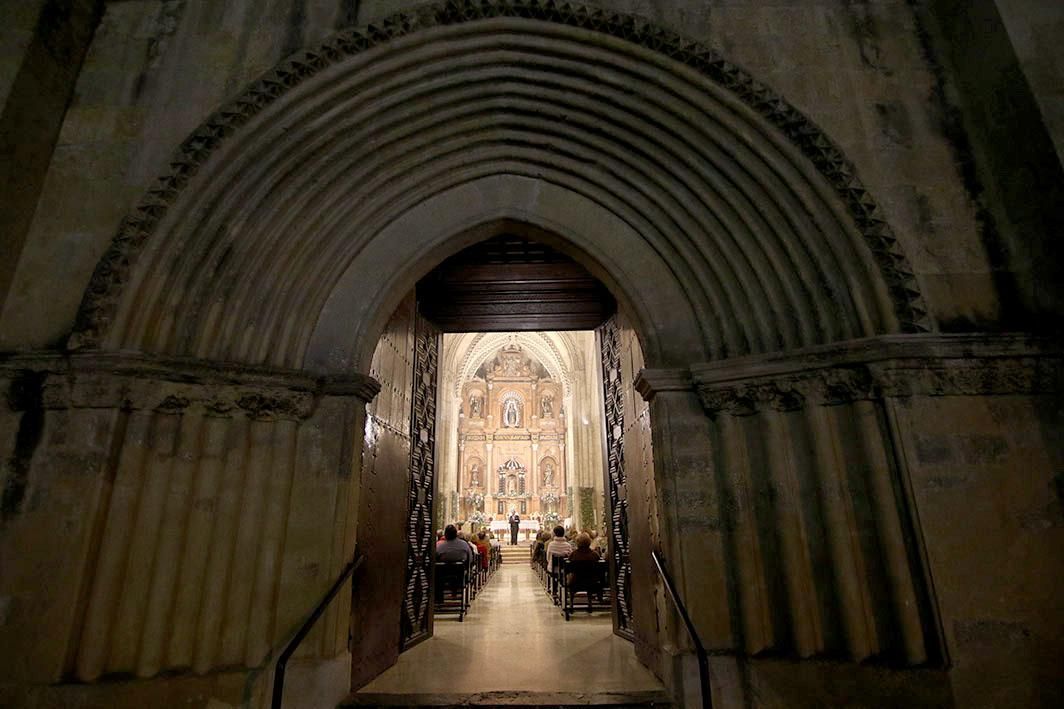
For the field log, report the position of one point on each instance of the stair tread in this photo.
(561, 700)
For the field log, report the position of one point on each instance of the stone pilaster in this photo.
(197, 490)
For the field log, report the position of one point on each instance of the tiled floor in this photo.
(515, 639)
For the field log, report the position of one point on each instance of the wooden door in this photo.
(416, 619)
(608, 335)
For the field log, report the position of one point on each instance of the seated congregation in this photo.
(464, 564)
(571, 564)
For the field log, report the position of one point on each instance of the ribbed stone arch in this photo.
(278, 237)
(540, 345)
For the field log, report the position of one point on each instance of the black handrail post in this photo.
(304, 630)
(700, 652)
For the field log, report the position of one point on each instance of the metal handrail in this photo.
(703, 659)
(304, 630)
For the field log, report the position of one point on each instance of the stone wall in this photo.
(999, 124)
(892, 502)
(987, 486)
(42, 44)
(1033, 26)
(164, 516)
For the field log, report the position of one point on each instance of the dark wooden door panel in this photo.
(511, 282)
(416, 619)
(616, 477)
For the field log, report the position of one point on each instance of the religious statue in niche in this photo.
(474, 475)
(548, 474)
(547, 406)
(511, 413)
(474, 406)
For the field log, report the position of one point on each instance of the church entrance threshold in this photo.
(515, 648)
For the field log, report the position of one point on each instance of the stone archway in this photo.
(298, 217)
(719, 177)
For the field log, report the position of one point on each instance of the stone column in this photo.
(689, 507)
(489, 448)
(561, 479)
(461, 470)
(534, 483)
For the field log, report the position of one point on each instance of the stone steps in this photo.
(515, 554)
(485, 700)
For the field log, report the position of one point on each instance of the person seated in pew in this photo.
(540, 545)
(473, 550)
(599, 542)
(558, 546)
(452, 548)
(484, 548)
(583, 551)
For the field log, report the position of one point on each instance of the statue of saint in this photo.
(548, 406)
(548, 474)
(511, 414)
(474, 474)
(474, 406)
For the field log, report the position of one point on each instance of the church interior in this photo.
(544, 353)
(520, 427)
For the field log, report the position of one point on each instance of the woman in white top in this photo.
(559, 546)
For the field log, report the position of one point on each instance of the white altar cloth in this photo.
(526, 525)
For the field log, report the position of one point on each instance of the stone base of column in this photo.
(740, 682)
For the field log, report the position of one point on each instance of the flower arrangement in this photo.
(548, 498)
(552, 518)
(478, 517)
(475, 499)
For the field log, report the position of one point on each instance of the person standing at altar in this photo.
(515, 524)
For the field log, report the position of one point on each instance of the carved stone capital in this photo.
(888, 366)
(965, 377)
(653, 381)
(137, 382)
(819, 387)
(364, 387)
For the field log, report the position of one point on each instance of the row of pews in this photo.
(566, 581)
(457, 584)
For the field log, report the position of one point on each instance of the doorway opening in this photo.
(511, 368)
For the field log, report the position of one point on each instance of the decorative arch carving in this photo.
(128, 303)
(539, 346)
